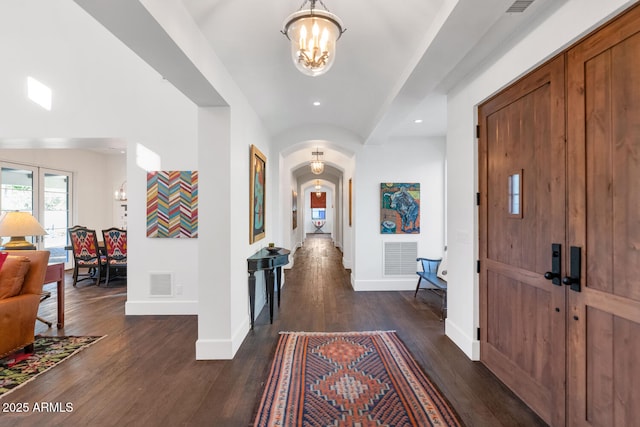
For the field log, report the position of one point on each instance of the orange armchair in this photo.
(21, 280)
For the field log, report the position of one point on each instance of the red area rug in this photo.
(355, 379)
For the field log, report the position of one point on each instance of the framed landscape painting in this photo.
(399, 208)
(257, 187)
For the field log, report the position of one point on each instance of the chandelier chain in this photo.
(313, 5)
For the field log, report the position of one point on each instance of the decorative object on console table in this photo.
(17, 225)
(399, 208)
(257, 194)
(271, 263)
(172, 204)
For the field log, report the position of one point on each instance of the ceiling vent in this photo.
(519, 6)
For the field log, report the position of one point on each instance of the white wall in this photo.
(224, 137)
(100, 90)
(419, 161)
(570, 22)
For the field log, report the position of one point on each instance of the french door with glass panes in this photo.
(44, 193)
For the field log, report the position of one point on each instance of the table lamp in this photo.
(17, 225)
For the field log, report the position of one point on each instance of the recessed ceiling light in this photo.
(316, 103)
(417, 121)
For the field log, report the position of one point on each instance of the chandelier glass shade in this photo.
(313, 34)
(121, 193)
(317, 165)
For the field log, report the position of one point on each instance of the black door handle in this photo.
(556, 265)
(576, 265)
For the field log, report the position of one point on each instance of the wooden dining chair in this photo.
(115, 243)
(86, 254)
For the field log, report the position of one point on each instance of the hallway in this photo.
(144, 372)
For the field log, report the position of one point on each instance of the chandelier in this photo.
(121, 193)
(317, 165)
(313, 34)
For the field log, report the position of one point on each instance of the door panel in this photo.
(572, 356)
(523, 314)
(604, 219)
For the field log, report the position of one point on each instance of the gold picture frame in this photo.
(257, 194)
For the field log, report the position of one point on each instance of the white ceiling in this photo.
(394, 64)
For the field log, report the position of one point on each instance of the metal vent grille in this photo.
(400, 258)
(161, 284)
(519, 6)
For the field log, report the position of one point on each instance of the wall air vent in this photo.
(161, 284)
(519, 6)
(400, 258)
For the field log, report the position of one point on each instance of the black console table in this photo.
(271, 263)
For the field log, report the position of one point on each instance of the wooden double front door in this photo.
(559, 165)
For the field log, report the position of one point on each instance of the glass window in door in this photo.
(44, 193)
(55, 213)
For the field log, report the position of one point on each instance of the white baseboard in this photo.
(222, 349)
(160, 307)
(211, 349)
(467, 344)
(384, 285)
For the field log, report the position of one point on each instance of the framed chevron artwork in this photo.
(172, 204)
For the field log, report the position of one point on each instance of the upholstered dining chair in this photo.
(86, 254)
(115, 243)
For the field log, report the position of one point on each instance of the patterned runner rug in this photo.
(20, 368)
(355, 379)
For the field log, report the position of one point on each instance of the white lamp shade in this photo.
(14, 224)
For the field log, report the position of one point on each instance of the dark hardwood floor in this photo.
(144, 372)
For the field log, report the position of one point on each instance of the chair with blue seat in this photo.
(115, 243)
(433, 275)
(86, 254)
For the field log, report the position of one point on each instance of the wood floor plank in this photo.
(144, 372)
